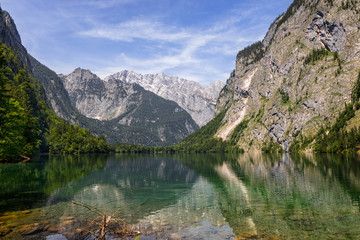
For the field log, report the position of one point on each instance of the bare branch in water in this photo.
(107, 224)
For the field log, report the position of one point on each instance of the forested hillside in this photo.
(27, 125)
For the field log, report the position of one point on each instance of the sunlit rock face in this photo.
(197, 100)
(331, 35)
(95, 98)
(278, 90)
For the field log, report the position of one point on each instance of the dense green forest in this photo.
(252, 53)
(27, 125)
(66, 138)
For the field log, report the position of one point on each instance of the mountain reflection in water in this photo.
(194, 196)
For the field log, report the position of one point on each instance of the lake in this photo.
(184, 196)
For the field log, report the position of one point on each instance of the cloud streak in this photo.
(183, 50)
(136, 29)
(106, 3)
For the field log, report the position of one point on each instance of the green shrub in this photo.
(252, 53)
(316, 55)
(284, 96)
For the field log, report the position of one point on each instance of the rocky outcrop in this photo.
(330, 34)
(85, 90)
(282, 96)
(271, 32)
(197, 100)
(10, 36)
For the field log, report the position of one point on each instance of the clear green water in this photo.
(205, 196)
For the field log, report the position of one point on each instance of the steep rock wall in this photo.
(294, 86)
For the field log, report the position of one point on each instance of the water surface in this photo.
(204, 196)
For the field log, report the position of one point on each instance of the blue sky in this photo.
(194, 39)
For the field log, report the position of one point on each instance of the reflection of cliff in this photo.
(298, 197)
(237, 200)
(139, 186)
(340, 168)
(197, 206)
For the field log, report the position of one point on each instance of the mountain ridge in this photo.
(197, 100)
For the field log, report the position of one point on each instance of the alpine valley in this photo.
(122, 111)
(297, 89)
(257, 172)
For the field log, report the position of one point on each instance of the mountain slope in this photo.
(197, 100)
(297, 79)
(27, 125)
(59, 101)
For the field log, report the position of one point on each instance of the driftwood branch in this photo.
(106, 224)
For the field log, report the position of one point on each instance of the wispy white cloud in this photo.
(137, 29)
(190, 52)
(106, 3)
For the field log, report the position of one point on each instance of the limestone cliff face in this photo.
(280, 88)
(85, 90)
(197, 100)
(57, 97)
(11, 38)
(128, 104)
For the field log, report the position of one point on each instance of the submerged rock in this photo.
(32, 229)
(4, 230)
(56, 237)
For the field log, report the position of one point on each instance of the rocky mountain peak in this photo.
(124, 75)
(84, 74)
(197, 100)
(161, 74)
(83, 78)
(7, 24)
(10, 36)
